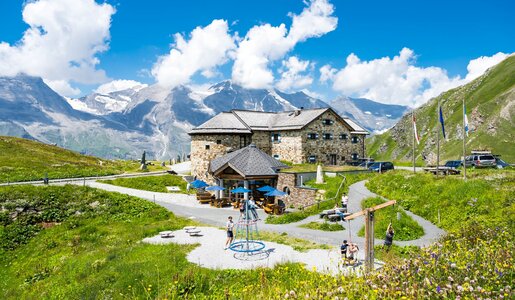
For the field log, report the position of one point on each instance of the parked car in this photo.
(453, 164)
(480, 161)
(366, 164)
(381, 166)
(501, 164)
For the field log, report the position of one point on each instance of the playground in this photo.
(211, 254)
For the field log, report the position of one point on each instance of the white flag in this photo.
(415, 130)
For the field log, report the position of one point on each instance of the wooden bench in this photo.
(166, 234)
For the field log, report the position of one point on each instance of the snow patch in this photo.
(79, 105)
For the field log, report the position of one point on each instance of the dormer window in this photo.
(328, 136)
(312, 136)
(328, 122)
(343, 136)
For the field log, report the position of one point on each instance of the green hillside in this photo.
(22, 159)
(490, 101)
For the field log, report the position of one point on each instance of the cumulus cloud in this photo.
(207, 48)
(397, 80)
(478, 66)
(119, 85)
(62, 87)
(61, 43)
(292, 76)
(265, 43)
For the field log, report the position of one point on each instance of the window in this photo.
(343, 136)
(244, 141)
(355, 139)
(286, 190)
(207, 147)
(328, 136)
(312, 136)
(354, 156)
(218, 142)
(276, 156)
(312, 159)
(275, 137)
(328, 122)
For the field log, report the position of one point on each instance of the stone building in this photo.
(301, 136)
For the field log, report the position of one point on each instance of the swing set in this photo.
(369, 231)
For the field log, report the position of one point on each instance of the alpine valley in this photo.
(121, 124)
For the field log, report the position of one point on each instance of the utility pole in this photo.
(464, 143)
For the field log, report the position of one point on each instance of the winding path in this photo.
(187, 206)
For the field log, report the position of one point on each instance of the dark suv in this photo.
(453, 164)
(480, 161)
(381, 166)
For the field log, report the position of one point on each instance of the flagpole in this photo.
(437, 138)
(414, 133)
(464, 143)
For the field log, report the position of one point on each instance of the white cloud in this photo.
(207, 48)
(478, 66)
(62, 87)
(265, 43)
(61, 43)
(291, 74)
(119, 85)
(397, 80)
(327, 73)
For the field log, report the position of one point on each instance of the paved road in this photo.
(187, 206)
(417, 169)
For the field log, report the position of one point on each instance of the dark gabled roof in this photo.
(248, 162)
(245, 121)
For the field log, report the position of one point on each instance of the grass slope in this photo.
(26, 160)
(150, 183)
(324, 226)
(486, 197)
(491, 97)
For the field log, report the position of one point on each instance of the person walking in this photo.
(345, 201)
(388, 240)
(343, 250)
(230, 235)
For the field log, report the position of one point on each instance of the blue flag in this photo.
(441, 122)
(465, 120)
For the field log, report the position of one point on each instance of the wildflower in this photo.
(453, 265)
(438, 289)
(293, 294)
(460, 288)
(340, 290)
(450, 279)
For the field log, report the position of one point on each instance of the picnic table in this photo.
(442, 170)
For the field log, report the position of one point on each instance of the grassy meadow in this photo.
(151, 183)
(26, 160)
(324, 226)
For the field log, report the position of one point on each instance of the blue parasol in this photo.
(276, 193)
(215, 188)
(240, 190)
(266, 188)
(198, 184)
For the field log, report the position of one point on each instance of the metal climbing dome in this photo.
(247, 245)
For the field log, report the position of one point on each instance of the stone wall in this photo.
(323, 148)
(218, 145)
(299, 196)
(289, 147)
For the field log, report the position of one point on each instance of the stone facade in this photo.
(299, 196)
(205, 148)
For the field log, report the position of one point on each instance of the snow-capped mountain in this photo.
(375, 117)
(151, 118)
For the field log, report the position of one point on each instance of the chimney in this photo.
(297, 112)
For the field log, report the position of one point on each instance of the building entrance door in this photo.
(332, 159)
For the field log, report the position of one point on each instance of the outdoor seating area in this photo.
(335, 214)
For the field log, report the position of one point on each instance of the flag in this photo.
(415, 130)
(466, 120)
(441, 122)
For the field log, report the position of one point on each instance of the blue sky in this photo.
(442, 34)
